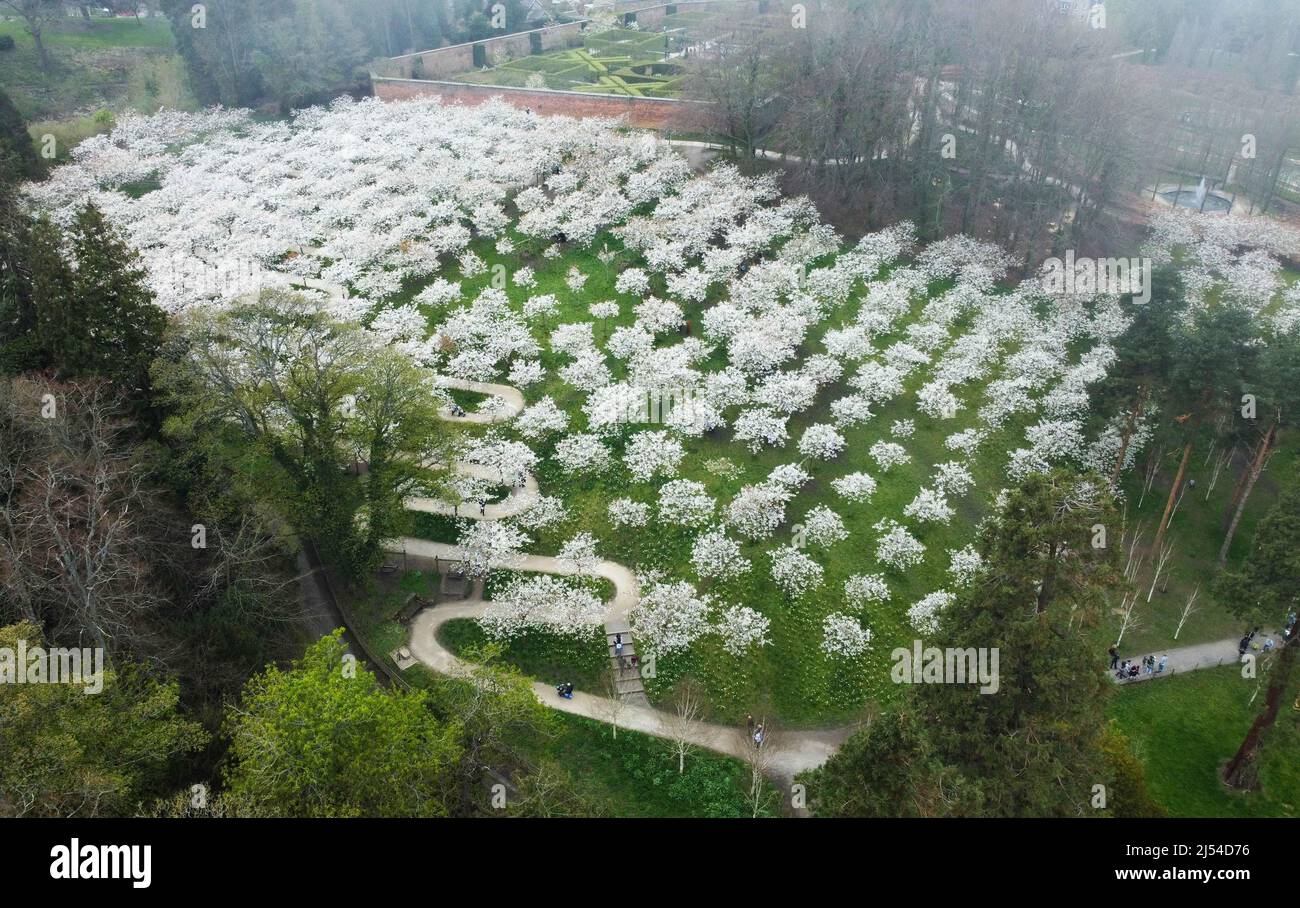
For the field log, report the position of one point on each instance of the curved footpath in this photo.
(789, 752)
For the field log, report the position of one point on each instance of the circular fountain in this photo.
(1200, 198)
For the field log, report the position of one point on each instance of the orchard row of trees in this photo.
(1041, 744)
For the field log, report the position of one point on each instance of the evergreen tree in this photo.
(1262, 593)
(95, 317)
(16, 141)
(19, 350)
(1033, 746)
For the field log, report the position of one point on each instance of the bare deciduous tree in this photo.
(683, 725)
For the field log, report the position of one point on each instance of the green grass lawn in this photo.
(791, 676)
(105, 64)
(546, 657)
(96, 34)
(1185, 727)
(634, 775)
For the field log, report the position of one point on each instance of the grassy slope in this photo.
(100, 33)
(1196, 532)
(805, 686)
(93, 64)
(809, 687)
(1183, 728)
(631, 775)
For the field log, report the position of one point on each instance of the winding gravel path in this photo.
(789, 753)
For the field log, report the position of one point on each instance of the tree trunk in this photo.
(1134, 415)
(1252, 476)
(41, 52)
(1047, 588)
(1241, 771)
(1173, 495)
(1236, 496)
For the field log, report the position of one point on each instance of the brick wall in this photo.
(648, 113)
(442, 62)
(459, 58)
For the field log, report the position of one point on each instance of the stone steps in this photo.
(627, 679)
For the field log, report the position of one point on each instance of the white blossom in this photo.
(650, 454)
(855, 487)
(486, 545)
(757, 510)
(541, 418)
(575, 280)
(896, 547)
(821, 441)
(685, 502)
(523, 277)
(794, 572)
(823, 527)
(525, 372)
(716, 555)
(742, 629)
(669, 617)
(843, 637)
(582, 454)
(925, 614)
(542, 511)
(604, 309)
(757, 428)
(964, 564)
(929, 506)
(952, 478)
(541, 602)
(888, 454)
(626, 512)
(579, 554)
(863, 589)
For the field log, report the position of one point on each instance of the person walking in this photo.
(749, 725)
(1114, 655)
(758, 736)
(618, 645)
(1164, 660)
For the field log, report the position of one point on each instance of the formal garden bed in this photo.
(615, 62)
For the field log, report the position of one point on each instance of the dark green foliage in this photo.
(15, 140)
(296, 52)
(1032, 747)
(96, 318)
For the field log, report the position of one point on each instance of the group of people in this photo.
(756, 733)
(1248, 641)
(630, 661)
(565, 690)
(1130, 669)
